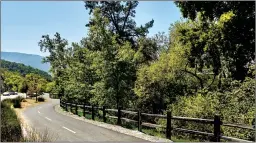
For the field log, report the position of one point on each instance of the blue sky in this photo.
(23, 23)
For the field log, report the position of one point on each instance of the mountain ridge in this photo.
(32, 60)
(23, 69)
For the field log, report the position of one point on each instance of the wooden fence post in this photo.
(84, 110)
(217, 124)
(71, 107)
(104, 113)
(70, 104)
(66, 106)
(139, 121)
(169, 125)
(92, 112)
(76, 109)
(119, 116)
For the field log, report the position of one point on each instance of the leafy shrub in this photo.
(235, 106)
(10, 128)
(40, 99)
(17, 102)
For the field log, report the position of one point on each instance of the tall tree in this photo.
(237, 35)
(121, 19)
(58, 58)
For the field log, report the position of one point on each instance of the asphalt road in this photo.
(43, 117)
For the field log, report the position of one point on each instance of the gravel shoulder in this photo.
(113, 127)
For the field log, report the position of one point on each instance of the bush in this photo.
(235, 106)
(17, 102)
(40, 99)
(10, 129)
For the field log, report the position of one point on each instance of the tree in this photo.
(121, 19)
(57, 48)
(35, 83)
(13, 81)
(236, 36)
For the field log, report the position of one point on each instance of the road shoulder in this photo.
(113, 127)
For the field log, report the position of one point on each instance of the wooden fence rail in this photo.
(216, 122)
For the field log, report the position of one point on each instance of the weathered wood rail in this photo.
(216, 122)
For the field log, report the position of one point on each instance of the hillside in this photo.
(34, 61)
(23, 69)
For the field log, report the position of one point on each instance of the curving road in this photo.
(66, 128)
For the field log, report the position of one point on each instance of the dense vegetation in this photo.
(201, 68)
(30, 83)
(10, 124)
(23, 69)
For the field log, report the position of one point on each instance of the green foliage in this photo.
(23, 69)
(12, 81)
(35, 83)
(102, 68)
(49, 87)
(16, 82)
(120, 16)
(10, 124)
(202, 68)
(235, 106)
(17, 102)
(237, 19)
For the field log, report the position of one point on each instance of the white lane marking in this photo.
(68, 129)
(39, 112)
(48, 118)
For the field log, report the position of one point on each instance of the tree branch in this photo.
(128, 13)
(200, 80)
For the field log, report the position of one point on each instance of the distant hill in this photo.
(23, 69)
(34, 61)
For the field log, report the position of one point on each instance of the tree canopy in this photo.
(235, 38)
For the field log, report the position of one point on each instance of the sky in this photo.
(23, 23)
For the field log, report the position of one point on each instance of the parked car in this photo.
(11, 92)
(6, 94)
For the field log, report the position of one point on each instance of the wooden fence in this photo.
(216, 122)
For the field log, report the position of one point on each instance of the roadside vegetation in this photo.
(202, 67)
(11, 124)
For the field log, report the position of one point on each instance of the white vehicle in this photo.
(6, 94)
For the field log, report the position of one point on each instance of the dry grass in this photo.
(27, 103)
(32, 135)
